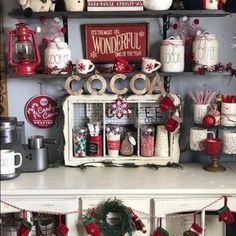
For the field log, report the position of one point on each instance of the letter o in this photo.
(145, 79)
(93, 91)
(113, 84)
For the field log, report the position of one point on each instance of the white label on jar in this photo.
(170, 58)
(206, 53)
(57, 59)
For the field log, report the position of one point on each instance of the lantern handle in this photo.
(38, 58)
(10, 48)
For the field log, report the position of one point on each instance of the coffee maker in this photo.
(34, 154)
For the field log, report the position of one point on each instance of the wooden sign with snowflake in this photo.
(105, 42)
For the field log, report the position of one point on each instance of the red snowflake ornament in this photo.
(81, 66)
(119, 108)
(149, 67)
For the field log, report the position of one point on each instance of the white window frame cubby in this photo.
(104, 99)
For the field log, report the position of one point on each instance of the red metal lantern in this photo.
(23, 51)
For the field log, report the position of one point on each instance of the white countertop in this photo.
(192, 179)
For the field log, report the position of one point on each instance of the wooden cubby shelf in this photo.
(77, 108)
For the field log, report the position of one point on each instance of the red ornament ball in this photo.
(175, 26)
(209, 121)
(45, 41)
(63, 30)
(196, 21)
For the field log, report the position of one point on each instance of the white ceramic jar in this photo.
(74, 5)
(211, 4)
(172, 55)
(205, 50)
(157, 4)
(57, 56)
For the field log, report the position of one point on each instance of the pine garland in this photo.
(130, 165)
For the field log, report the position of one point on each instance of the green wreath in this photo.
(126, 224)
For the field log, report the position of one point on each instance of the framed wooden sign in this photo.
(105, 42)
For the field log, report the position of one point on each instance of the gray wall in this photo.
(20, 90)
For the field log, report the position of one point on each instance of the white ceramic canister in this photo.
(74, 5)
(157, 4)
(205, 50)
(57, 54)
(162, 142)
(172, 55)
(211, 4)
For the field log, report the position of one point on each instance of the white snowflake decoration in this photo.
(234, 44)
(141, 34)
(116, 31)
(93, 54)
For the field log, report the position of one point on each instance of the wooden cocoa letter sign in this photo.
(150, 85)
(105, 42)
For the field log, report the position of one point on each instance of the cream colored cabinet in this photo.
(60, 205)
(150, 193)
(141, 205)
(177, 206)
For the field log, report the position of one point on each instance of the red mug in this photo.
(122, 66)
(212, 146)
(172, 123)
(167, 103)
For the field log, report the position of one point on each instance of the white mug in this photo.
(84, 66)
(229, 141)
(199, 111)
(8, 165)
(197, 135)
(150, 65)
